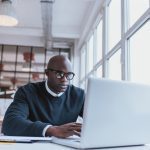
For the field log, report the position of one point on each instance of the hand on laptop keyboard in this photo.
(65, 130)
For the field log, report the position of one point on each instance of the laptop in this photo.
(116, 114)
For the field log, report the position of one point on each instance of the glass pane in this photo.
(50, 54)
(22, 79)
(82, 85)
(86, 83)
(5, 80)
(99, 72)
(139, 54)
(82, 67)
(90, 54)
(36, 77)
(23, 58)
(115, 66)
(65, 54)
(136, 9)
(39, 59)
(99, 42)
(9, 58)
(114, 32)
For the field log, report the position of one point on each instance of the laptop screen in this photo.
(116, 113)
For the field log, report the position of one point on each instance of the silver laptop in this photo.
(116, 113)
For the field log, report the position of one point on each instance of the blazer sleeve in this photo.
(16, 122)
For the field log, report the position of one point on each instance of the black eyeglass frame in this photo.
(60, 74)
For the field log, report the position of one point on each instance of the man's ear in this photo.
(46, 72)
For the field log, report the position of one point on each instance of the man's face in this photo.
(58, 76)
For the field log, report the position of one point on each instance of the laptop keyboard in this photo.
(74, 138)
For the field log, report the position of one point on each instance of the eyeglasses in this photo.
(60, 74)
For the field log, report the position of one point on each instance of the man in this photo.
(48, 108)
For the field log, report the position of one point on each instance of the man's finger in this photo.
(77, 133)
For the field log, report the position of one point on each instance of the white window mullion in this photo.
(105, 41)
(124, 44)
(138, 24)
(94, 49)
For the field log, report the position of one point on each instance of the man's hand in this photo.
(65, 130)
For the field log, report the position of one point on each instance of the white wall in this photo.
(4, 103)
(76, 64)
(86, 30)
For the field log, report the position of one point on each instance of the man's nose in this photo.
(64, 79)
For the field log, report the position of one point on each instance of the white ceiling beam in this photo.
(21, 40)
(24, 31)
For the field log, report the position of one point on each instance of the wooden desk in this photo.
(51, 146)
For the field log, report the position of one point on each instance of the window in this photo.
(140, 55)
(120, 53)
(9, 57)
(20, 65)
(136, 9)
(115, 66)
(82, 67)
(99, 42)
(99, 72)
(114, 31)
(82, 85)
(90, 54)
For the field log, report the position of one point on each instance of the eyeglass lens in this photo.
(61, 74)
(69, 76)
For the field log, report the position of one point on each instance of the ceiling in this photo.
(68, 19)
(42, 23)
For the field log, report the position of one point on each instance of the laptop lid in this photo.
(116, 113)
